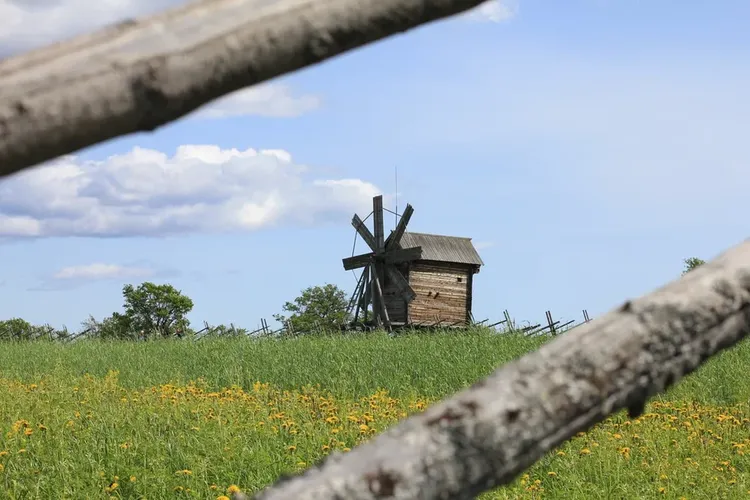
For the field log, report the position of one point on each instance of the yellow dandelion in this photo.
(585, 451)
(233, 488)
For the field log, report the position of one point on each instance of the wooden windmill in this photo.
(381, 266)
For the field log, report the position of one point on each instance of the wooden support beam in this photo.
(382, 310)
(354, 300)
(376, 317)
(361, 294)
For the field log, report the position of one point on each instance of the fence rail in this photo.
(48, 332)
(139, 75)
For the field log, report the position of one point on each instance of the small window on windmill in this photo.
(460, 279)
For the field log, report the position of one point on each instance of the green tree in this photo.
(20, 329)
(113, 327)
(16, 329)
(691, 263)
(317, 309)
(156, 309)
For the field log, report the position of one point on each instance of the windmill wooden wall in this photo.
(443, 291)
(442, 279)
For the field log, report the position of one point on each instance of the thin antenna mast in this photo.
(395, 217)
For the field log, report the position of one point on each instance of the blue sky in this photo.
(587, 147)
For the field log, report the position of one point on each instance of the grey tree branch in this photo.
(141, 74)
(486, 435)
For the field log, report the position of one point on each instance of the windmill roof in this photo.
(440, 248)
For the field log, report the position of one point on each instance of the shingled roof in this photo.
(440, 248)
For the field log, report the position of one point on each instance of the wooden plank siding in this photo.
(443, 292)
(397, 307)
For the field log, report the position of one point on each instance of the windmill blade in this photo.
(395, 237)
(403, 255)
(377, 212)
(357, 261)
(404, 289)
(365, 233)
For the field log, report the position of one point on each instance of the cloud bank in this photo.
(200, 189)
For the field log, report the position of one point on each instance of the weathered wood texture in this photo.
(486, 435)
(397, 306)
(442, 293)
(139, 75)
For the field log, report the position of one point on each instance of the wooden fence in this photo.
(141, 74)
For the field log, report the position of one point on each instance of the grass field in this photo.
(176, 419)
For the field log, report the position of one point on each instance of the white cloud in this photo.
(495, 11)
(27, 24)
(265, 99)
(100, 271)
(481, 245)
(201, 188)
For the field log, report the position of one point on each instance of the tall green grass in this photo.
(97, 419)
(428, 365)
